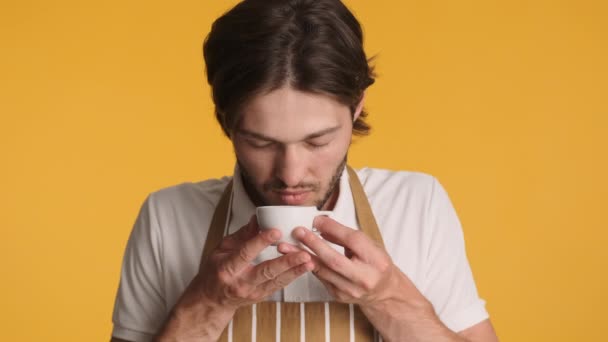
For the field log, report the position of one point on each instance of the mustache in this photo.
(278, 185)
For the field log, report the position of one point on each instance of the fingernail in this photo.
(274, 235)
(299, 232)
(318, 220)
(285, 247)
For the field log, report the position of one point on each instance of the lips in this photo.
(293, 197)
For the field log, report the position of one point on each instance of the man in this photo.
(288, 80)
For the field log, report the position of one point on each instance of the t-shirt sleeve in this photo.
(139, 309)
(449, 283)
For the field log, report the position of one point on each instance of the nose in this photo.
(290, 166)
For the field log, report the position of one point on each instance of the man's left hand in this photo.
(364, 275)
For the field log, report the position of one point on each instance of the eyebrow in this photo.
(308, 137)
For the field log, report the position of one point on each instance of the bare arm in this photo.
(197, 318)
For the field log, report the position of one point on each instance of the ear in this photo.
(359, 108)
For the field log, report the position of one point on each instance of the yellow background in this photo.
(504, 101)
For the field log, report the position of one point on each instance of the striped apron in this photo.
(298, 321)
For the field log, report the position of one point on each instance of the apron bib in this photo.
(293, 321)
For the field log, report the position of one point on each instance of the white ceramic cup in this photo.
(286, 218)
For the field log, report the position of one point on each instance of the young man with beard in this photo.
(289, 80)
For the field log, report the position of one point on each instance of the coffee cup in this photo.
(287, 218)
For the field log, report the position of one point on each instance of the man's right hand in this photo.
(228, 279)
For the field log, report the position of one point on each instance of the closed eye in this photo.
(316, 145)
(260, 143)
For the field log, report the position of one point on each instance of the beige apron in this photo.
(289, 321)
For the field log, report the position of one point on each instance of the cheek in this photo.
(328, 158)
(326, 162)
(340, 149)
(257, 163)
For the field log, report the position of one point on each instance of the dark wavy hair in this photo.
(261, 45)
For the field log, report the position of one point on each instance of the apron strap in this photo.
(215, 233)
(363, 210)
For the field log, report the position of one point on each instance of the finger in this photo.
(272, 269)
(285, 248)
(334, 281)
(355, 241)
(250, 249)
(285, 278)
(289, 248)
(335, 232)
(325, 253)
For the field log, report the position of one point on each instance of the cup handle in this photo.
(329, 214)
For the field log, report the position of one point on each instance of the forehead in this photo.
(288, 114)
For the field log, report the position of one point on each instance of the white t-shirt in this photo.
(418, 223)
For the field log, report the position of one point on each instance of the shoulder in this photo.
(189, 195)
(402, 201)
(183, 207)
(383, 183)
(407, 205)
(177, 208)
(406, 195)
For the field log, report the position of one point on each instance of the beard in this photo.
(258, 198)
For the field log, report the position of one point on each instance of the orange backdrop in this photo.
(504, 101)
